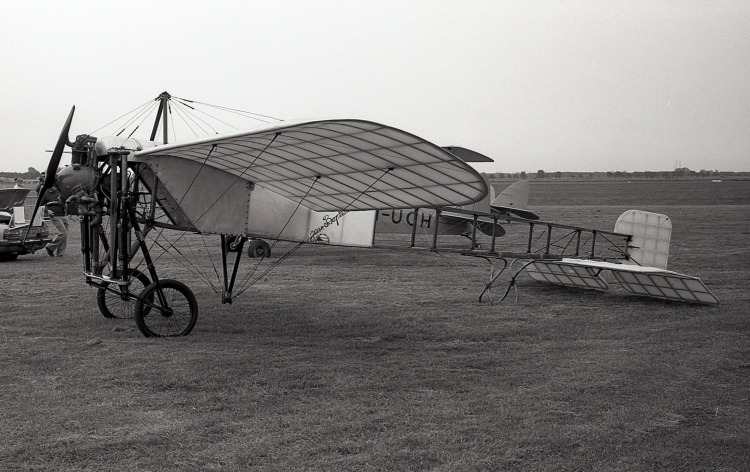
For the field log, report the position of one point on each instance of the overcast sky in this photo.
(553, 85)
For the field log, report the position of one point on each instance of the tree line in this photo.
(680, 173)
(30, 174)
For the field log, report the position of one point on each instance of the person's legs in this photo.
(64, 243)
(60, 240)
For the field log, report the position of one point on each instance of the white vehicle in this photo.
(13, 226)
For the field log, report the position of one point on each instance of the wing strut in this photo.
(163, 98)
(226, 296)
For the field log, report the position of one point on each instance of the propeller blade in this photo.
(54, 163)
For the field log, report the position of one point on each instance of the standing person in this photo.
(56, 211)
(40, 183)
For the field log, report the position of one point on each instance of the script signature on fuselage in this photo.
(317, 235)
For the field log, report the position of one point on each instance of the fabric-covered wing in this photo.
(337, 165)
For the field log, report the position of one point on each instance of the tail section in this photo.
(646, 273)
(651, 233)
(515, 195)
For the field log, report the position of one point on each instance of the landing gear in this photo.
(255, 247)
(116, 217)
(258, 248)
(116, 302)
(234, 243)
(166, 308)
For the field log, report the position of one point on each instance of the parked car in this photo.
(13, 226)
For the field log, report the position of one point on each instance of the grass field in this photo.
(346, 359)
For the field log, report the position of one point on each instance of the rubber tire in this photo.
(149, 317)
(258, 248)
(8, 256)
(126, 309)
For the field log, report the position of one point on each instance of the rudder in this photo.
(651, 234)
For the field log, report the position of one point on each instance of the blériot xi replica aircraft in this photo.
(314, 182)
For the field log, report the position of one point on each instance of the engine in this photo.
(78, 181)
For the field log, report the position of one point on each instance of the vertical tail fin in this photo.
(513, 200)
(651, 233)
(515, 195)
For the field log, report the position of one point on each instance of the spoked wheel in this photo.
(115, 303)
(174, 314)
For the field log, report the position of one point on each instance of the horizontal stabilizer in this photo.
(567, 275)
(668, 285)
(644, 281)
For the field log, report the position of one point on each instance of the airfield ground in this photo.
(346, 359)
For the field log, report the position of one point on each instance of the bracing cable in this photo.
(191, 113)
(143, 117)
(181, 114)
(187, 113)
(195, 177)
(246, 114)
(149, 105)
(250, 274)
(223, 193)
(245, 285)
(184, 261)
(171, 119)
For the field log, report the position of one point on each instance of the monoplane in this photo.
(312, 182)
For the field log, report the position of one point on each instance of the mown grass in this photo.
(345, 359)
